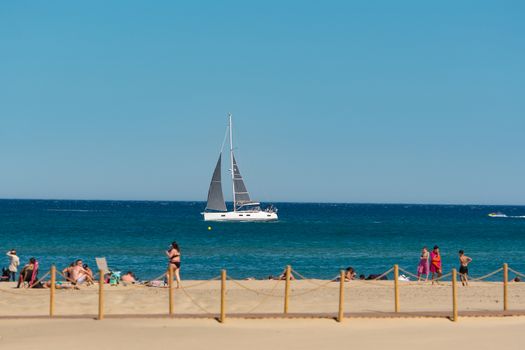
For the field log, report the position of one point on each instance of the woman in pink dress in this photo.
(423, 268)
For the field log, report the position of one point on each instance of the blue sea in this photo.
(316, 239)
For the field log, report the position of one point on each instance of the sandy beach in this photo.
(148, 328)
(306, 296)
(478, 333)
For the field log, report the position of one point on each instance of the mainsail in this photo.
(241, 193)
(215, 196)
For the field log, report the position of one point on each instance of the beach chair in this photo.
(34, 275)
(29, 277)
(102, 264)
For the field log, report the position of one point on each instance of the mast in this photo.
(231, 162)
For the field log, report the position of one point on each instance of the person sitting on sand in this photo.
(89, 272)
(282, 276)
(67, 271)
(435, 265)
(28, 273)
(129, 277)
(463, 267)
(78, 274)
(350, 274)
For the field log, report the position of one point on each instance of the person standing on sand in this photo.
(435, 264)
(423, 268)
(173, 254)
(14, 261)
(463, 267)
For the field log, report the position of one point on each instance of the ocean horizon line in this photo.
(274, 202)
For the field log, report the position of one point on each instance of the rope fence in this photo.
(340, 283)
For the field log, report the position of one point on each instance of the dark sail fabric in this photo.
(215, 196)
(241, 193)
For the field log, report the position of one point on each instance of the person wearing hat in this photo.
(435, 264)
(14, 261)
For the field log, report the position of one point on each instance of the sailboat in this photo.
(244, 208)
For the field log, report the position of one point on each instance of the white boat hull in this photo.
(241, 216)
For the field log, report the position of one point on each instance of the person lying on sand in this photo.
(129, 277)
(282, 276)
(350, 274)
(58, 285)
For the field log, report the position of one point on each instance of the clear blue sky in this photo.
(343, 101)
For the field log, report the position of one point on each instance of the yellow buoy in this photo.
(209, 228)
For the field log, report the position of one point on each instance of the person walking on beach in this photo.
(423, 268)
(463, 267)
(435, 265)
(14, 261)
(173, 254)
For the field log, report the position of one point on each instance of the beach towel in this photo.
(403, 278)
(435, 266)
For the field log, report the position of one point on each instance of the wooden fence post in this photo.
(454, 296)
(170, 289)
(101, 295)
(52, 291)
(340, 315)
(223, 297)
(505, 286)
(396, 288)
(287, 289)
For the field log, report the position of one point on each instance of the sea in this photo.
(316, 239)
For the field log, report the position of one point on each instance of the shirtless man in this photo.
(67, 271)
(463, 267)
(78, 274)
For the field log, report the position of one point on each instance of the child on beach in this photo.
(463, 267)
(423, 268)
(435, 264)
(173, 254)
